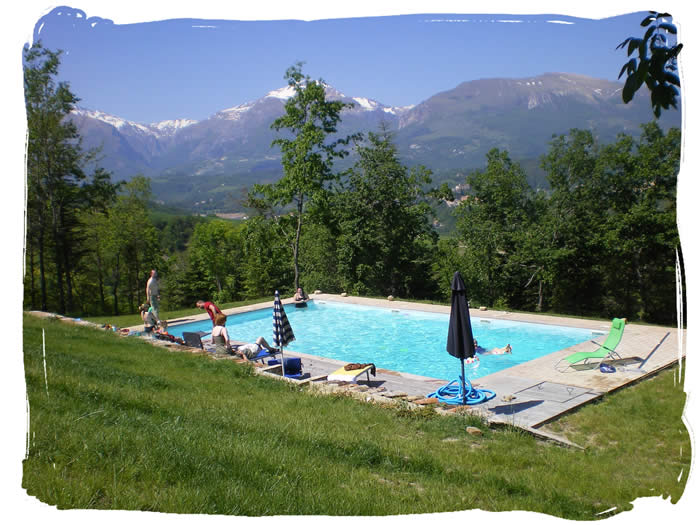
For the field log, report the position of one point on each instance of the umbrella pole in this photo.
(282, 355)
(464, 385)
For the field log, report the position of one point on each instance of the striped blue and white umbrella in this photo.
(282, 333)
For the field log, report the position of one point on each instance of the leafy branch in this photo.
(655, 64)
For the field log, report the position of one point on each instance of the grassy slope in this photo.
(126, 425)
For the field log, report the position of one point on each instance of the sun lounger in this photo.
(351, 376)
(263, 354)
(607, 349)
(193, 339)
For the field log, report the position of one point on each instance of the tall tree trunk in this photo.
(67, 274)
(58, 255)
(100, 282)
(115, 286)
(642, 306)
(42, 271)
(32, 284)
(300, 209)
(70, 303)
(135, 288)
(59, 277)
(65, 235)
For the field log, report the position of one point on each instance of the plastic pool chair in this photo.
(607, 349)
(351, 375)
(193, 339)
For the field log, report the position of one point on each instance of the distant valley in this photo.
(206, 165)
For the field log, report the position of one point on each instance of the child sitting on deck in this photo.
(162, 333)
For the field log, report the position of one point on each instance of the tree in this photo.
(576, 215)
(655, 64)
(265, 263)
(490, 224)
(102, 195)
(57, 185)
(215, 253)
(318, 260)
(641, 233)
(125, 245)
(307, 157)
(384, 223)
(611, 218)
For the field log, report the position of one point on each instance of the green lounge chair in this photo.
(607, 349)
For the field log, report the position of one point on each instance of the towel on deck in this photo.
(352, 371)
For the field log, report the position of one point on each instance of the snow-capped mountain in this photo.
(239, 134)
(278, 97)
(452, 130)
(165, 128)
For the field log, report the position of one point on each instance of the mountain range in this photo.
(202, 163)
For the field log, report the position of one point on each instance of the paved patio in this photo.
(527, 395)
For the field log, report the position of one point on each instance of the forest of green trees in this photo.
(602, 240)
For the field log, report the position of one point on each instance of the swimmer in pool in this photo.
(505, 350)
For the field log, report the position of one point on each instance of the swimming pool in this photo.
(403, 340)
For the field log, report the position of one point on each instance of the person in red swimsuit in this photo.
(211, 309)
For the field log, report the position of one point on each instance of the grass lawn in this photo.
(121, 424)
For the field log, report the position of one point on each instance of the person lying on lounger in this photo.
(250, 351)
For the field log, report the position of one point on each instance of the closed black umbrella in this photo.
(281, 329)
(460, 343)
(460, 340)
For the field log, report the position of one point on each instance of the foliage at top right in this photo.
(655, 64)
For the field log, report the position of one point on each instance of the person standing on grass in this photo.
(211, 309)
(153, 292)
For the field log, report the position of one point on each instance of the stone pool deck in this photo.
(527, 395)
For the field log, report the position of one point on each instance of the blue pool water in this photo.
(402, 340)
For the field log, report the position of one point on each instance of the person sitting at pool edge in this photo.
(219, 336)
(251, 350)
(150, 319)
(210, 308)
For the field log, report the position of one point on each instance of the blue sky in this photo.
(192, 68)
(224, 78)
